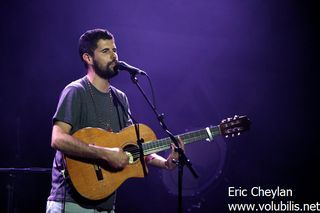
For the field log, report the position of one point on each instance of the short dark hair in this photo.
(88, 41)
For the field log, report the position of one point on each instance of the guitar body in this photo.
(96, 180)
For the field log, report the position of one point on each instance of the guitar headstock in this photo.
(234, 126)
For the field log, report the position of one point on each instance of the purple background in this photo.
(207, 60)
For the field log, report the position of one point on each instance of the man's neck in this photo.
(99, 83)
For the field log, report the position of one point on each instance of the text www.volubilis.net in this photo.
(287, 206)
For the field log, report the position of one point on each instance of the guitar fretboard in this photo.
(189, 137)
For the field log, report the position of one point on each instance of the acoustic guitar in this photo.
(96, 180)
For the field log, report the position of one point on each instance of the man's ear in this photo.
(87, 58)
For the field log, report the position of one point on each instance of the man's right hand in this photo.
(116, 158)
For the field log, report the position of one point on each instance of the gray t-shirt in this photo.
(82, 105)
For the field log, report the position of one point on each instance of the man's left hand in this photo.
(171, 162)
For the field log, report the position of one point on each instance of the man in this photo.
(90, 102)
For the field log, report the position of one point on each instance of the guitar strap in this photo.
(116, 102)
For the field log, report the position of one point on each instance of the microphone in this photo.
(121, 65)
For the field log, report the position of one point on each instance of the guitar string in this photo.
(135, 152)
(166, 144)
(166, 141)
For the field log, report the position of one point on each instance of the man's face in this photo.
(105, 59)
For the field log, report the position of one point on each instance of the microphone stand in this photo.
(183, 160)
(139, 142)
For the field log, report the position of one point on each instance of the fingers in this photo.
(123, 159)
(117, 158)
(181, 144)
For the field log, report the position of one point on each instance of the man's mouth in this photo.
(114, 65)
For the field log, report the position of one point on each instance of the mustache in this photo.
(113, 62)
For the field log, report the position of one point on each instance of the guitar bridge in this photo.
(98, 171)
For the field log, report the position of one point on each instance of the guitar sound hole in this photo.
(134, 150)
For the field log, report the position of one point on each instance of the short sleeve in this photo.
(68, 109)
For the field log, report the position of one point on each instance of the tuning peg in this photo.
(239, 133)
(235, 117)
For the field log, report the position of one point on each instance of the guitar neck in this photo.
(187, 138)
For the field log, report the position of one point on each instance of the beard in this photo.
(106, 73)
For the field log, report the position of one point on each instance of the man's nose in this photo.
(114, 56)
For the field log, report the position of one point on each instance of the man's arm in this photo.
(66, 143)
